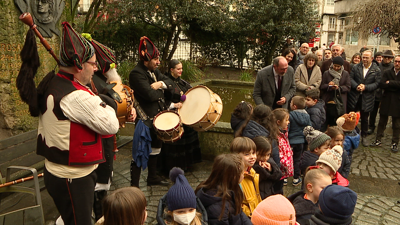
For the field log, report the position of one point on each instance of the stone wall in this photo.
(14, 114)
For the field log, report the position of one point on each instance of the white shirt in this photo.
(365, 70)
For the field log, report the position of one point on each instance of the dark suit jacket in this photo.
(265, 88)
(326, 64)
(151, 101)
(390, 103)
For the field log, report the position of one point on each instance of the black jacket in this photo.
(371, 82)
(344, 168)
(321, 219)
(382, 67)
(236, 123)
(304, 208)
(267, 179)
(390, 104)
(151, 101)
(307, 159)
(317, 114)
(213, 206)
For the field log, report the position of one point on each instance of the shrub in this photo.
(191, 72)
(124, 68)
(247, 75)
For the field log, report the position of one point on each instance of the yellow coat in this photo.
(251, 190)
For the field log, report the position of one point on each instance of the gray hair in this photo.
(337, 45)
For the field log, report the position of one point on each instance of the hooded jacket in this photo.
(299, 119)
(317, 114)
(213, 206)
(251, 190)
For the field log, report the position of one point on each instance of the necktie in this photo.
(279, 82)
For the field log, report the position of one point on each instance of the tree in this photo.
(384, 14)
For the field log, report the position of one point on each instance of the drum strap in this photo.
(140, 111)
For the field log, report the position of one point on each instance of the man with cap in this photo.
(386, 63)
(336, 51)
(275, 84)
(72, 122)
(390, 105)
(365, 78)
(336, 204)
(148, 84)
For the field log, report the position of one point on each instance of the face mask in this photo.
(184, 218)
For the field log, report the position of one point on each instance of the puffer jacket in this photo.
(371, 82)
(317, 114)
(251, 190)
(351, 142)
(299, 119)
(213, 206)
(254, 129)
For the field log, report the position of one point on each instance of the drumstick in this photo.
(19, 180)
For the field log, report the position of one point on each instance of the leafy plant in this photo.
(247, 75)
(124, 68)
(190, 72)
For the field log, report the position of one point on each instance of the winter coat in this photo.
(344, 87)
(268, 179)
(382, 67)
(254, 129)
(351, 141)
(390, 103)
(251, 190)
(161, 217)
(338, 179)
(344, 168)
(236, 123)
(304, 207)
(286, 155)
(299, 119)
(321, 219)
(371, 82)
(302, 81)
(213, 206)
(327, 63)
(317, 114)
(307, 159)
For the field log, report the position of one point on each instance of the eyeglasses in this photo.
(94, 64)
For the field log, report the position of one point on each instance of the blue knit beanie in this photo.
(181, 194)
(337, 202)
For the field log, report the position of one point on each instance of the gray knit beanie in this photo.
(315, 138)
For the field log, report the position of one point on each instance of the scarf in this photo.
(336, 74)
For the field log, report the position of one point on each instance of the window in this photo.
(351, 37)
(373, 39)
(332, 21)
(330, 2)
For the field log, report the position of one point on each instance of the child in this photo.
(336, 206)
(266, 167)
(305, 202)
(221, 194)
(124, 206)
(348, 123)
(299, 119)
(276, 209)
(330, 162)
(179, 205)
(315, 108)
(246, 149)
(285, 152)
(318, 143)
(337, 137)
(240, 114)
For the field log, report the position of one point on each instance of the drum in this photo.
(168, 126)
(202, 108)
(123, 96)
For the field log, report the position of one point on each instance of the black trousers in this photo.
(382, 126)
(72, 197)
(297, 152)
(363, 117)
(372, 115)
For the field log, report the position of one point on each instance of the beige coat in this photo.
(302, 82)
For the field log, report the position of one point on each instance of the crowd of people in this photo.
(304, 125)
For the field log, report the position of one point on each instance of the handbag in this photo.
(335, 107)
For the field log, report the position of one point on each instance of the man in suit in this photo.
(148, 84)
(336, 51)
(275, 84)
(390, 104)
(365, 79)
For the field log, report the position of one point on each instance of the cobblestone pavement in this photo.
(375, 173)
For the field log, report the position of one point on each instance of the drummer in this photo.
(185, 151)
(149, 84)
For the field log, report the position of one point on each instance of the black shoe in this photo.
(157, 181)
(152, 177)
(364, 142)
(376, 143)
(394, 148)
(370, 131)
